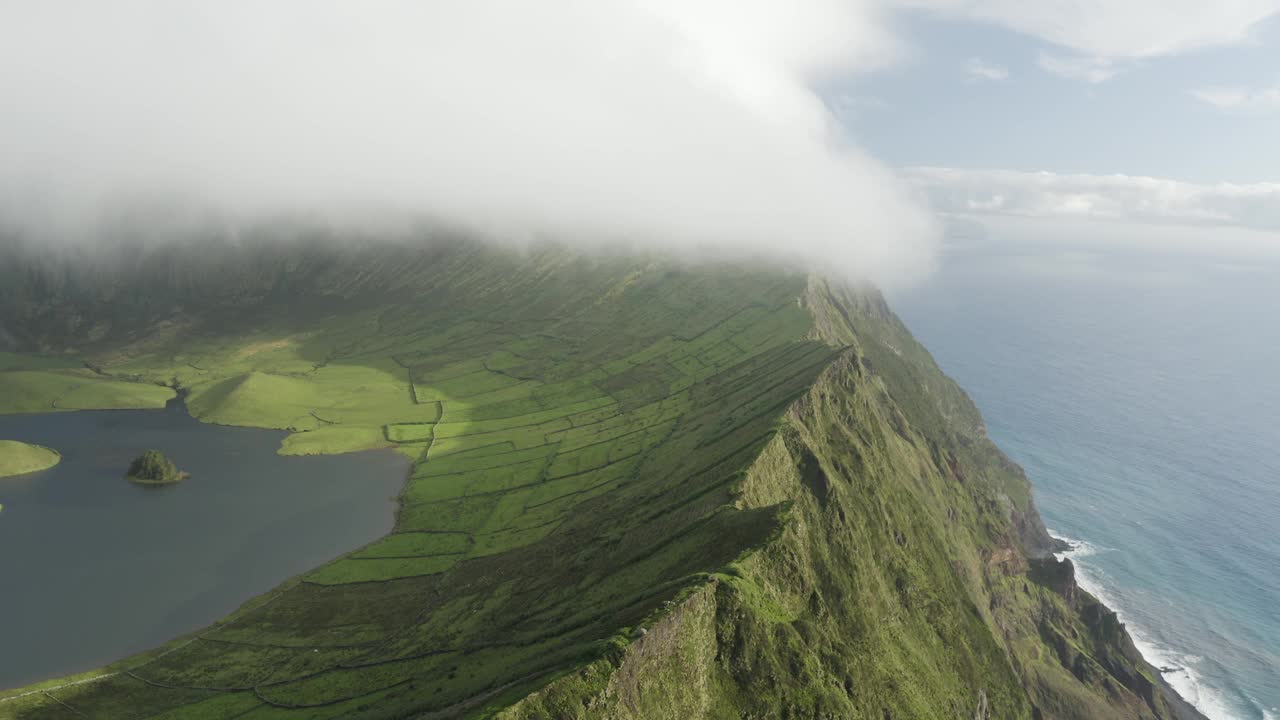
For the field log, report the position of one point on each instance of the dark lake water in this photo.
(94, 568)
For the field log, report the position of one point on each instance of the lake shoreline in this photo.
(166, 564)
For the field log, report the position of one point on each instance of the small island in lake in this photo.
(153, 468)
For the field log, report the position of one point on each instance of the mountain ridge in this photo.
(791, 511)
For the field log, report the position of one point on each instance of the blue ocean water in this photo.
(1141, 392)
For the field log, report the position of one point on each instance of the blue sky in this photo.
(1143, 120)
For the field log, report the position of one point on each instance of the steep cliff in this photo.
(911, 579)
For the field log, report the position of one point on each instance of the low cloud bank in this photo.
(1098, 197)
(678, 123)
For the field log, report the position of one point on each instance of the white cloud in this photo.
(688, 122)
(1075, 244)
(1117, 28)
(1222, 97)
(1078, 67)
(979, 69)
(1100, 197)
(1240, 98)
(1094, 40)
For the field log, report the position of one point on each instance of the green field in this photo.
(17, 458)
(640, 489)
(33, 391)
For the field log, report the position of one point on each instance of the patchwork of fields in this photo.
(576, 455)
(639, 490)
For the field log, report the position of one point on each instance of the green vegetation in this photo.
(153, 468)
(15, 361)
(640, 490)
(17, 458)
(333, 440)
(31, 391)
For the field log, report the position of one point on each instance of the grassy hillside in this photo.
(18, 458)
(31, 391)
(640, 490)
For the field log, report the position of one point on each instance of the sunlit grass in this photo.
(19, 458)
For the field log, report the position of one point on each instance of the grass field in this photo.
(17, 458)
(743, 491)
(32, 391)
(17, 361)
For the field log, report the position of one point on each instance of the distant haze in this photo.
(669, 122)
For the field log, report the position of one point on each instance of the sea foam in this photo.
(1177, 668)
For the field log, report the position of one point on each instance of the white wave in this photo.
(1267, 713)
(1184, 676)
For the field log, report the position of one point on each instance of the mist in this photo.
(669, 124)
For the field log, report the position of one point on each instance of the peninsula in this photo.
(19, 458)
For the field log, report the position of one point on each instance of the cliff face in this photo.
(641, 490)
(912, 577)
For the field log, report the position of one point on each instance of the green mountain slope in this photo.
(640, 490)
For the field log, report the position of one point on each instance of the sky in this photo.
(836, 133)
(1150, 112)
(977, 94)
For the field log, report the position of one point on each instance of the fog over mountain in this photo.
(694, 124)
(607, 121)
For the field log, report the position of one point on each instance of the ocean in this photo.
(1139, 386)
